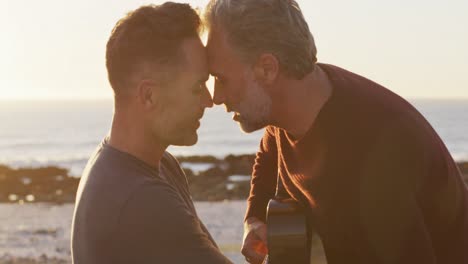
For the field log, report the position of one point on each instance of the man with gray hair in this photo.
(377, 182)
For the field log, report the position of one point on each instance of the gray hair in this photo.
(253, 27)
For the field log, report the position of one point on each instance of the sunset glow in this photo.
(53, 50)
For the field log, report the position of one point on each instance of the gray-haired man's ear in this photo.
(266, 68)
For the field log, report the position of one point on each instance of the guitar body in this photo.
(287, 233)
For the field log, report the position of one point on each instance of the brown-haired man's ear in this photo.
(148, 94)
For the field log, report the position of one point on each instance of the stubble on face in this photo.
(255, 108)
(178, 118)
(178, 129)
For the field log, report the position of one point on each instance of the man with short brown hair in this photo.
(133, 204)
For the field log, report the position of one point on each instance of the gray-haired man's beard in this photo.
(255, 109)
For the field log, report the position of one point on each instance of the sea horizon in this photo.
(64, 133)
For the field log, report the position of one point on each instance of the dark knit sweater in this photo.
(379, 183)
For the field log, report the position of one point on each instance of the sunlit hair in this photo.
(150, 35)
(253, 27)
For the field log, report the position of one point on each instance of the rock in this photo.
(37, 185)
(241, 164)
(198, 159)
(54, 185)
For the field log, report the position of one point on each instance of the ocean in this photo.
(65, 133)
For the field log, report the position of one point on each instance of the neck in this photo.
(129, 134)
(300, 101)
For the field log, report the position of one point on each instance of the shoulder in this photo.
(410, 133)
(343, 78)
(170, 160)
(399, 159)
(400, 141)
(174, 169)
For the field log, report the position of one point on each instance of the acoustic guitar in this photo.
(287, 233)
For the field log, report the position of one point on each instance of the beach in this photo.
(40, 233)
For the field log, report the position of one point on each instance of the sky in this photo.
(55, 49)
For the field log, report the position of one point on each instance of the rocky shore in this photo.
(210, 179)
(219, 179)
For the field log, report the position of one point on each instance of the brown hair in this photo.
(275, 26)
(150, 34)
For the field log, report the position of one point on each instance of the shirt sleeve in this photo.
(390, 214)
(155, 226)
(264, 176)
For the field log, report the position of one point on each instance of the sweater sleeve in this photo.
(264, 176)
(156, 226)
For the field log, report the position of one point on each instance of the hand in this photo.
(254, 247)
